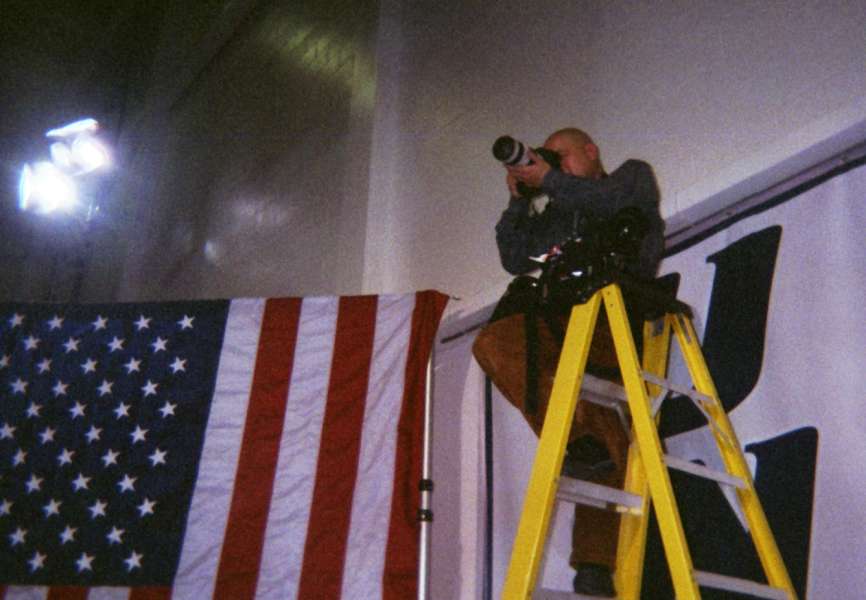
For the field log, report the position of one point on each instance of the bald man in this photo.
(598, 446)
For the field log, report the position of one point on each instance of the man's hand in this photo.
(532, 175)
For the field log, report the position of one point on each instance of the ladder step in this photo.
(741, 586)
(679, 389)
(546, 594)
(681, 464)
(577, 491)
(603, 392)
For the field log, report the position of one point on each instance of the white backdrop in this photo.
(802, 391)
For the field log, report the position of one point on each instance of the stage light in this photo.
(87, 125)
(44, 188)
(89, 153)
(77, 155)
(61, 155)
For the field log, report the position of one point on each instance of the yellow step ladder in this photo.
(647, 474)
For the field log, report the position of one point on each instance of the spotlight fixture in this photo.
(76, 153)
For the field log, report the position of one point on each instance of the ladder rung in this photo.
(577, 491)
(679, 389)
(603, 392)
(681, 464)
(546, 594)
(741, 586)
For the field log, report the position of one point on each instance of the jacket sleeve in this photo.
(514, 237)
(633, 184)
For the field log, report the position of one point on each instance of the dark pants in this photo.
(500, 349)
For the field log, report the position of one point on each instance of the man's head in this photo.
(578, 154)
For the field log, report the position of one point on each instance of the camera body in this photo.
(512, 152)
(596, 255)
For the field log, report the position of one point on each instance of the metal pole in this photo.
(425, 513)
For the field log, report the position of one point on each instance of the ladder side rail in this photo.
(667, 513)
(631, 548)
(732, 456)
(543, 482)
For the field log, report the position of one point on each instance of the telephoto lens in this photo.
(510, 151)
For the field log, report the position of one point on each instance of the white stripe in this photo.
(108, 593)
(202, 546)
(371, 503)
(282, 556)
(27, 592)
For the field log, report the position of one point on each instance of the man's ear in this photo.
(591, 151)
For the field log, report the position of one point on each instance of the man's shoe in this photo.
(586, 458)
(593, 580)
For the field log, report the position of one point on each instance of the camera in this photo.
(597, 254)
(512, 152)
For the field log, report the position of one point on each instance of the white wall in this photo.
(243, 170)
(723, 99)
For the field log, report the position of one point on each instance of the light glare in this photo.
(46, 189)
(89, 154)
(74, 128)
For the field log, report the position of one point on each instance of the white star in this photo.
(34, 484)
(6, 431)
(52, 508)
(116, 344)
(93, 434)
(5, 508)
(132, 365)
(158, 457)
(146, 507)
(138, 435)
(18, 537)
(19, 386)
(4, 361)
(19, 458)
(110, 457)
(105, 388)
(37, 562)
(84, 562)
(134, 561)
(30, 342)
(167, 409)
(44, 365)
(100, 323)
(71, 345)
(127, 484)
(47, 435)
(55, 323)
(122, 410)
(159, 344)
(89, 366)
(81, 482)
(97, 509)
(149, 388)
(186, 322)
(33, 410)
(143, 323)
(59, 388)
(115, 536)
(179, 364)
(16, 320)
(68, 534)
(65, 457)
(77, 410)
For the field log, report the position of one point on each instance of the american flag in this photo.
(246, 449)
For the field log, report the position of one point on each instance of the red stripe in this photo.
(400, 577)
(150, 593)
(339, 448)
(244, 537)
(67, 592)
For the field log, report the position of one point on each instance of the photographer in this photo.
(580, 194)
